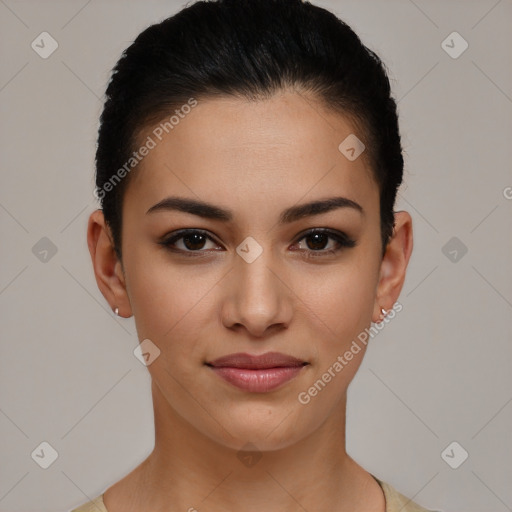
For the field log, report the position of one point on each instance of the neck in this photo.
(190, 471)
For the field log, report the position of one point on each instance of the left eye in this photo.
(319, 238)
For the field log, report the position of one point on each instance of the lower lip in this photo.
(257, 381)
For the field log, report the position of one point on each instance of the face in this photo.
(242, 265)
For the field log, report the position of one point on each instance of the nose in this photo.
(258, 298)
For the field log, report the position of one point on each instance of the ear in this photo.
(108, 269)
(394, 265)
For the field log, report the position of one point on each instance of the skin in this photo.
(255, 159)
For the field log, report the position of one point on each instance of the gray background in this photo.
(439, 372)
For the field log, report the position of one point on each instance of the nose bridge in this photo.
(256, 278)
(258, 297)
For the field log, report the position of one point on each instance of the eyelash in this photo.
(344, 242)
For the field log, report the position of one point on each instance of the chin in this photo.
(266, 428)
(255, 440)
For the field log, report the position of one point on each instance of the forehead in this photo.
(230, 149)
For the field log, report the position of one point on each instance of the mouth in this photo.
(257, 374)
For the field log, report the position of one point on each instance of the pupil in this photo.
(316, 237)
(197, 243)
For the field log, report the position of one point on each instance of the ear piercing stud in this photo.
(116, 311)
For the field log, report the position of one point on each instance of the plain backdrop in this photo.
(439, 373)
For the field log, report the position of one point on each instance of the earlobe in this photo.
(394, 264)
(107, 267)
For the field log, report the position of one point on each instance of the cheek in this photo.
(170, 302)
(340, 300)
(338, 313)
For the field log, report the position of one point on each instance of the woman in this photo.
(247, 166)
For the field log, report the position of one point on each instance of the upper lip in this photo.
(248, 361)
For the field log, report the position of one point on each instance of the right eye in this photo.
(191, 241)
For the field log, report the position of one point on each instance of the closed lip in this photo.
(257, 362)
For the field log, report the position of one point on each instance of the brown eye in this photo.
(189, 242)
(194, 241)
(317, 241)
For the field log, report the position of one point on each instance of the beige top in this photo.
(395, 502)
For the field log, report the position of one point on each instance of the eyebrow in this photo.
(210, 211)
